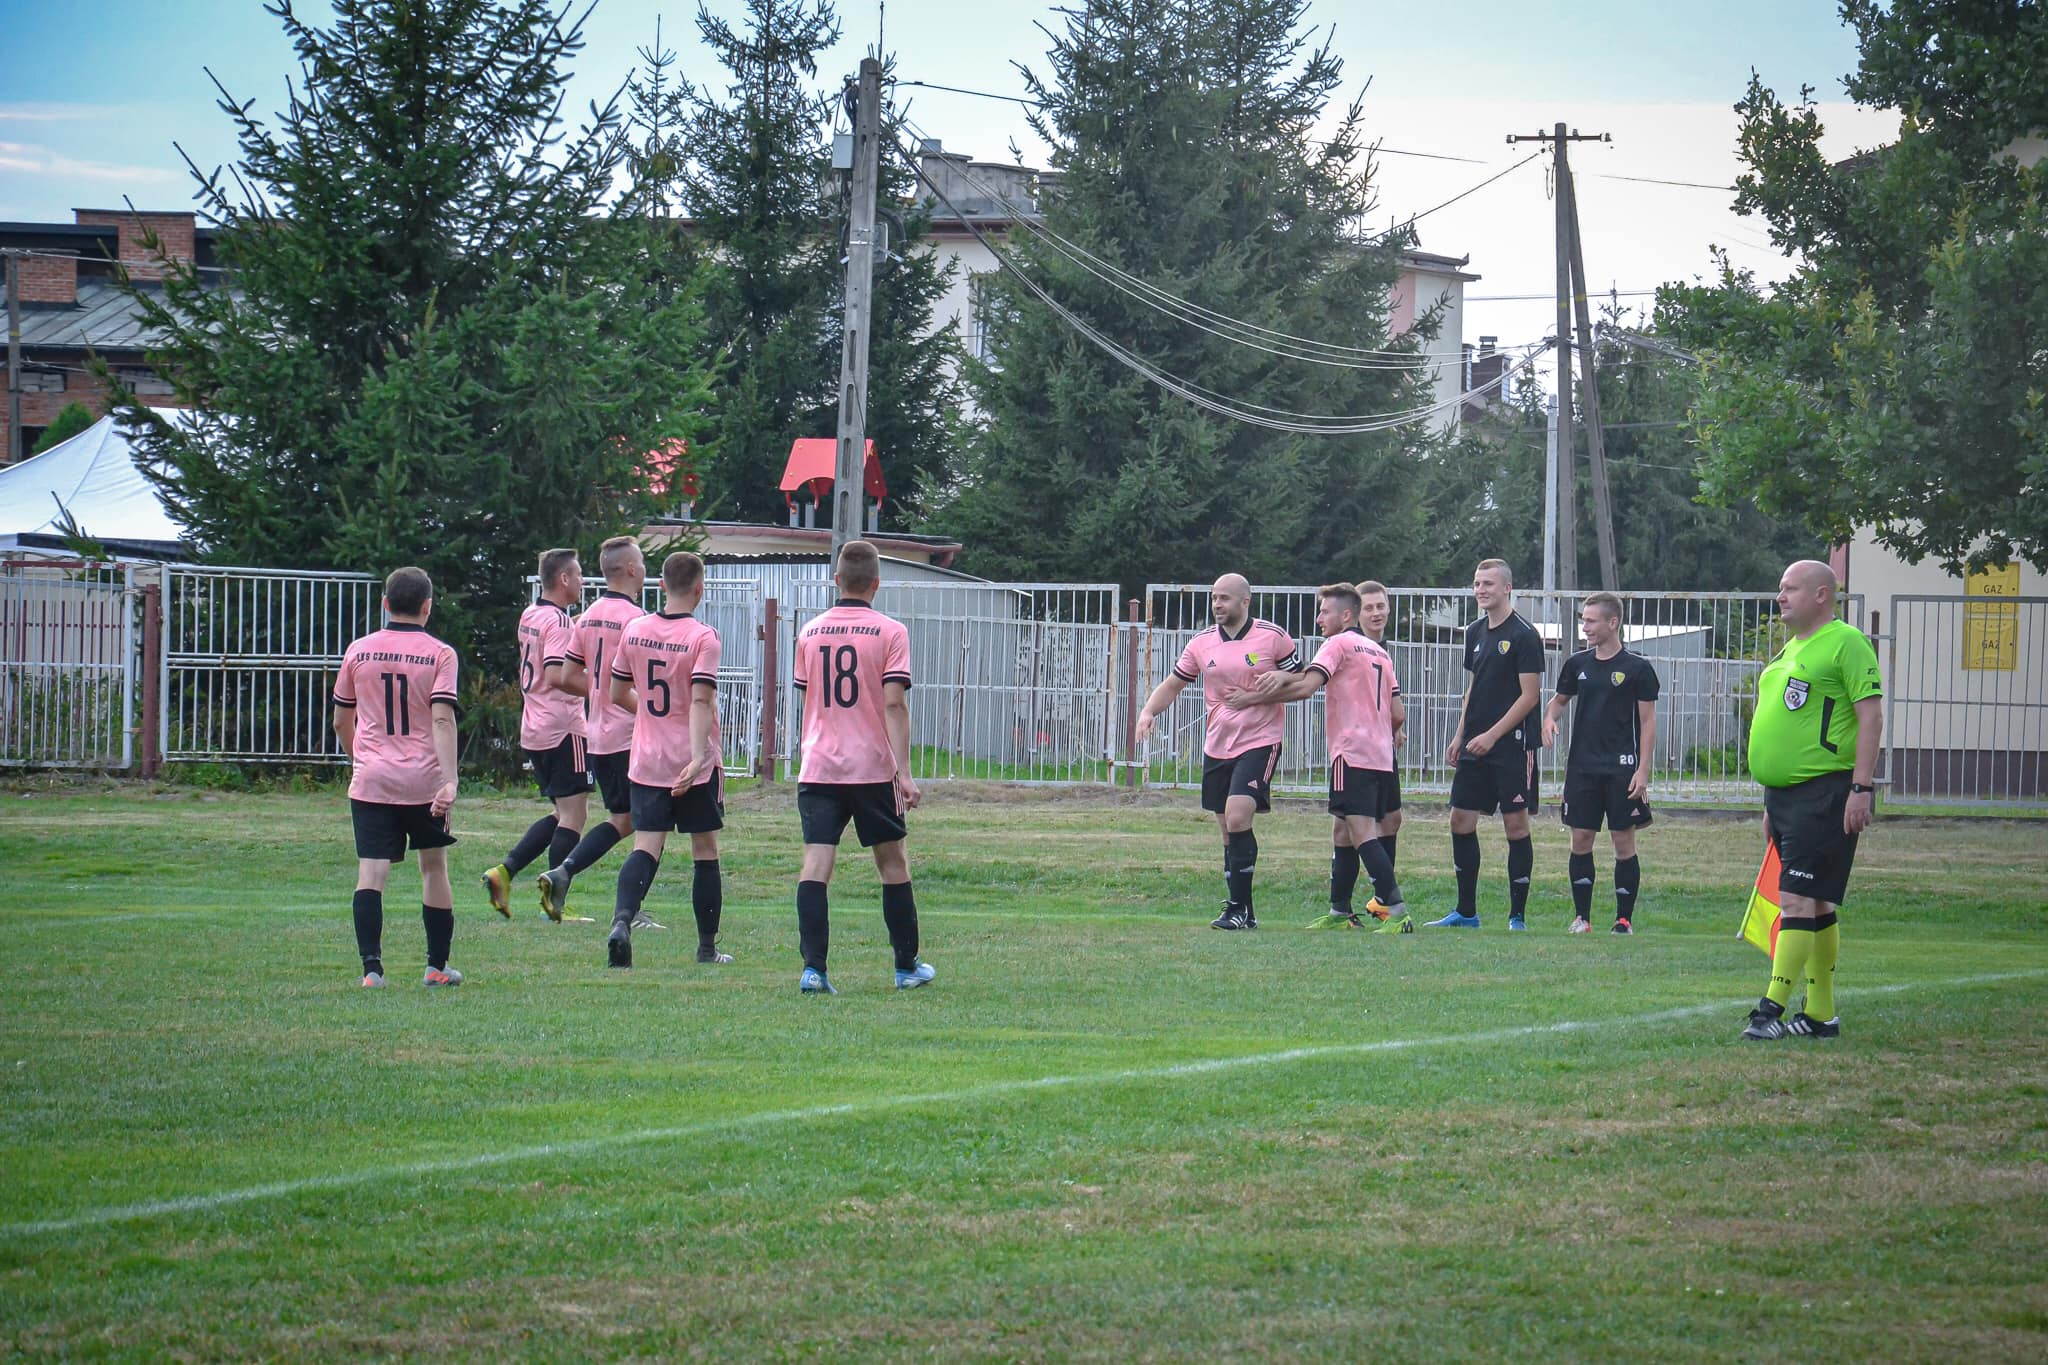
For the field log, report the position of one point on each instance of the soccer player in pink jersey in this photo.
(1241, 747)
(852, 667)
(665, 672)
(1375, 611)
(1362, 710)
(394, 710)
(608, 730)
(550, 728)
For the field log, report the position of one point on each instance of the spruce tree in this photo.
(1184, 136)
(427, 347)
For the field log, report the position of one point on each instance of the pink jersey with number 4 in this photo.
(594, 643)
(843, 659)
(547, 715)
(665, 657)
(1358, 700)
(1223, 663)
(392, 678)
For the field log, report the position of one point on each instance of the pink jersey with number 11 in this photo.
(843, 659)
(392, 678)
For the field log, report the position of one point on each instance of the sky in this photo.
(91, 111)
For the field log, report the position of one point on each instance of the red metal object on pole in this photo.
(764, 758)
(1131, 698)
(152, 678)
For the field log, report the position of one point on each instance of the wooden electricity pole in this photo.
(1589, 392)
(1567, 445)
(849, 483)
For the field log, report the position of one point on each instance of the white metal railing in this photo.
(1011, 682)
(1966, 699)
(249, 657)
(67, 663)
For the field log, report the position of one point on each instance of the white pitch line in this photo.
(207, 1203)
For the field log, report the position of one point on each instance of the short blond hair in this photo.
(1501, 564)
(1371, 586)
(611, 556)
(860, 565)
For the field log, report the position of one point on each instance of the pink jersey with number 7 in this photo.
(843, 659)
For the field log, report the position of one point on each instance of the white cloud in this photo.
(30, 159)
(56, 113)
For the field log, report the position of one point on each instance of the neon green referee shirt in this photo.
(1805, 723)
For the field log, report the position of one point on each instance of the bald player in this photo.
(1813, 744)
(1241, 747)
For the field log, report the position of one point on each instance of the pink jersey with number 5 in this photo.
(1358, 700)
(665, 657)
(843, 659)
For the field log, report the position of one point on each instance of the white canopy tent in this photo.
(94, 479)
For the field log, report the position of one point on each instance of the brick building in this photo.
(72, 309)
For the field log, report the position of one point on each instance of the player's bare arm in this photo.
(703, 712)
(1274, 689)
(1646, 725)
(1161, 698)
(623, 695)
(1869, 743)
(1457, 744)
(1553, 712)
(896, 716)
(575, 678)
(1399, 711)
(444, 756)
(345, 730)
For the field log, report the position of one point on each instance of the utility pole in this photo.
(849, 490)
(1567, 444)
(1550, 512)
(1589, 389)
(13, 358)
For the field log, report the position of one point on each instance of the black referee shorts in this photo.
(1815, 856)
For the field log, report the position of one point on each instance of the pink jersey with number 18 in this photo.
(392, 678)
(843, 660)
(665, 657)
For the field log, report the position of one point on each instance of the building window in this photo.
(988, 314)
(43, 381)
(143, 381)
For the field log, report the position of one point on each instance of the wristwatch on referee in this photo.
(1861, 788)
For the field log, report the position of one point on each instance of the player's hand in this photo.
(1242, 698)
(1145, 725)
(1268, 683)
(1550, 734)
(1639, 785)
(687, 780)
(1856, 815)
(1767, 827)
(443, 802)
(1479, 746)
(1452, 753)
(1400, 737)
(907, 794)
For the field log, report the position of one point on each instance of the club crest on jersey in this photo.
(1616, 677)
(1251, 658)
(1795, 693)
(1501, 647)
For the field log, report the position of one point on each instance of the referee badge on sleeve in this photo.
(1795, 693)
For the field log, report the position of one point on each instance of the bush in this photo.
(74, 418)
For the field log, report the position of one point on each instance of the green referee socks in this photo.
(1788, 964)
(1820, 968)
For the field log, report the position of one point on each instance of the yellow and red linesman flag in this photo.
(1760, 916)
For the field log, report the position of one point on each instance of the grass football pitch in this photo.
(1106, 1132)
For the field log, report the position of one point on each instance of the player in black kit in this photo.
(1607, 775)
(1494, 746)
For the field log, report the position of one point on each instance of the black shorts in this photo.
(1249, 774)
(825, 807)
(563, 770)
(1590, 798)
(700, 810)
(384, 831)
(1814, 854)
(610, 772)
(1364, 792)
(1504, 780)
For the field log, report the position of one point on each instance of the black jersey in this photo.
(1607, 734)
(1497, 657)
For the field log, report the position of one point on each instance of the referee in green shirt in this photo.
(1813, 744)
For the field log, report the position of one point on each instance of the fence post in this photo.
(771, 691)
(152, 678)
(1131, 698)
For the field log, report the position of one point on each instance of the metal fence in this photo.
(1011, 682)
(67, 663)
(1966, 708)
(249, 657)
(1707, 648)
